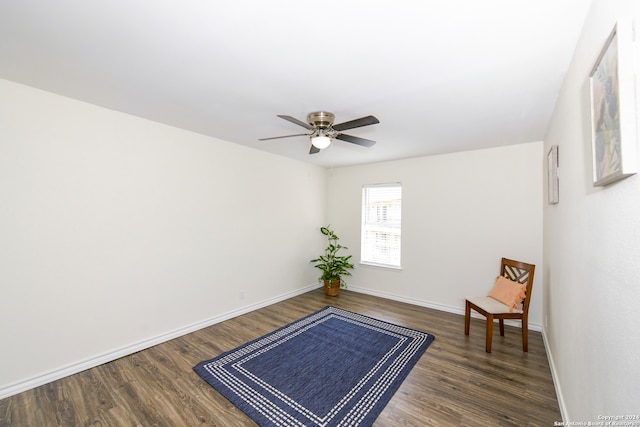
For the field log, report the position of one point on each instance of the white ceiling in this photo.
(441, 76)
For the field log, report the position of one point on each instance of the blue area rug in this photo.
(331, 368)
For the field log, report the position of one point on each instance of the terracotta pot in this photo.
(332, 288)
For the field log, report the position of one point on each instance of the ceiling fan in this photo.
(322, 130)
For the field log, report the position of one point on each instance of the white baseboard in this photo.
(437, 306)
(77, 367)
(556, 380)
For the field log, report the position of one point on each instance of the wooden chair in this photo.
(493, 309)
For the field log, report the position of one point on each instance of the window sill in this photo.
(381, 266)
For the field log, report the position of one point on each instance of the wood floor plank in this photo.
(454, 383)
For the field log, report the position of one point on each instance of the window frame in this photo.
(392, 221)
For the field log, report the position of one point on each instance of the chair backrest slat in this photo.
(520, 272)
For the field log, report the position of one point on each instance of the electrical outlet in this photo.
(242, 294)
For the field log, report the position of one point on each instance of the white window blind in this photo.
(381, 224)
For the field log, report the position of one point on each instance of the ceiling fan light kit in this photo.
(320, 123)
(320, 141)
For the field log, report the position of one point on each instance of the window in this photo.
(381, 224)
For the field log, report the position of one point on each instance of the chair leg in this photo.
(467, 317)
(525, 335)
(489, 333)
(501, 327)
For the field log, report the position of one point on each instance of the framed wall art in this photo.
(613, 109)
(552, 175)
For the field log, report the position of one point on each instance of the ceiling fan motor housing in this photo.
(320, 119)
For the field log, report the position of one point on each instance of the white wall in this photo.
(461, 213)
(116, 231)
(592, 252)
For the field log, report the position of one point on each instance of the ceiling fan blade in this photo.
(314, 149)
(356, 140)
(363, 121)
(285, 136)
(296, 121)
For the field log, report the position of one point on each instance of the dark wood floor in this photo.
(455, 383)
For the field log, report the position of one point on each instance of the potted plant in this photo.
(332, 265)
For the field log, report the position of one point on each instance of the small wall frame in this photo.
(553, 191)
(613, 108)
